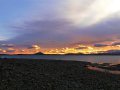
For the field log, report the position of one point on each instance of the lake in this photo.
(115, 59)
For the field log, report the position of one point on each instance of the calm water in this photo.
(95, 59)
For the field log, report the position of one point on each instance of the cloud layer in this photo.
(63, 23)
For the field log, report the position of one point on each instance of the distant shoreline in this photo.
(114, 59)
(65, 54)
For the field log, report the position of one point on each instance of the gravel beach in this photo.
(17, 74)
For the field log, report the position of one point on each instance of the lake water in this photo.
(115, 59)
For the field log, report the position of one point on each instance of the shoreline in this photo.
(116, 72)
(53, 75)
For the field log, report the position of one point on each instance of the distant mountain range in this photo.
(110, 52)
(39, 53)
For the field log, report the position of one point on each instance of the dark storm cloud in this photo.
(100, 45)
(44, 32)
(7, 45)
(58, 32)
(113, 51)
(107, 30)
(10, 51)
(116, 43)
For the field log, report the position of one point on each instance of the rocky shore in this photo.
(18, 74)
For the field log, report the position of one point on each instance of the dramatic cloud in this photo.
(88, 12)
(116, 43)
(100, 45)
(6, 45)
(80, 48)
(53, 23)
(113, 51)
(60, 32)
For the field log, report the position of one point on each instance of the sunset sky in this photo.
(59, 26)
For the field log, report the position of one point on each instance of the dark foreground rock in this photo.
(53, 75)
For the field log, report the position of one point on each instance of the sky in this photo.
(92, 25)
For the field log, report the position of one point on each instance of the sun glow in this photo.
(85, 13)
(77, 49)
(114, 6)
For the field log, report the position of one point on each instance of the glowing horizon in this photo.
(82, 49)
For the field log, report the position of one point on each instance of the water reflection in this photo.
(103, 70)
(89, 58)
